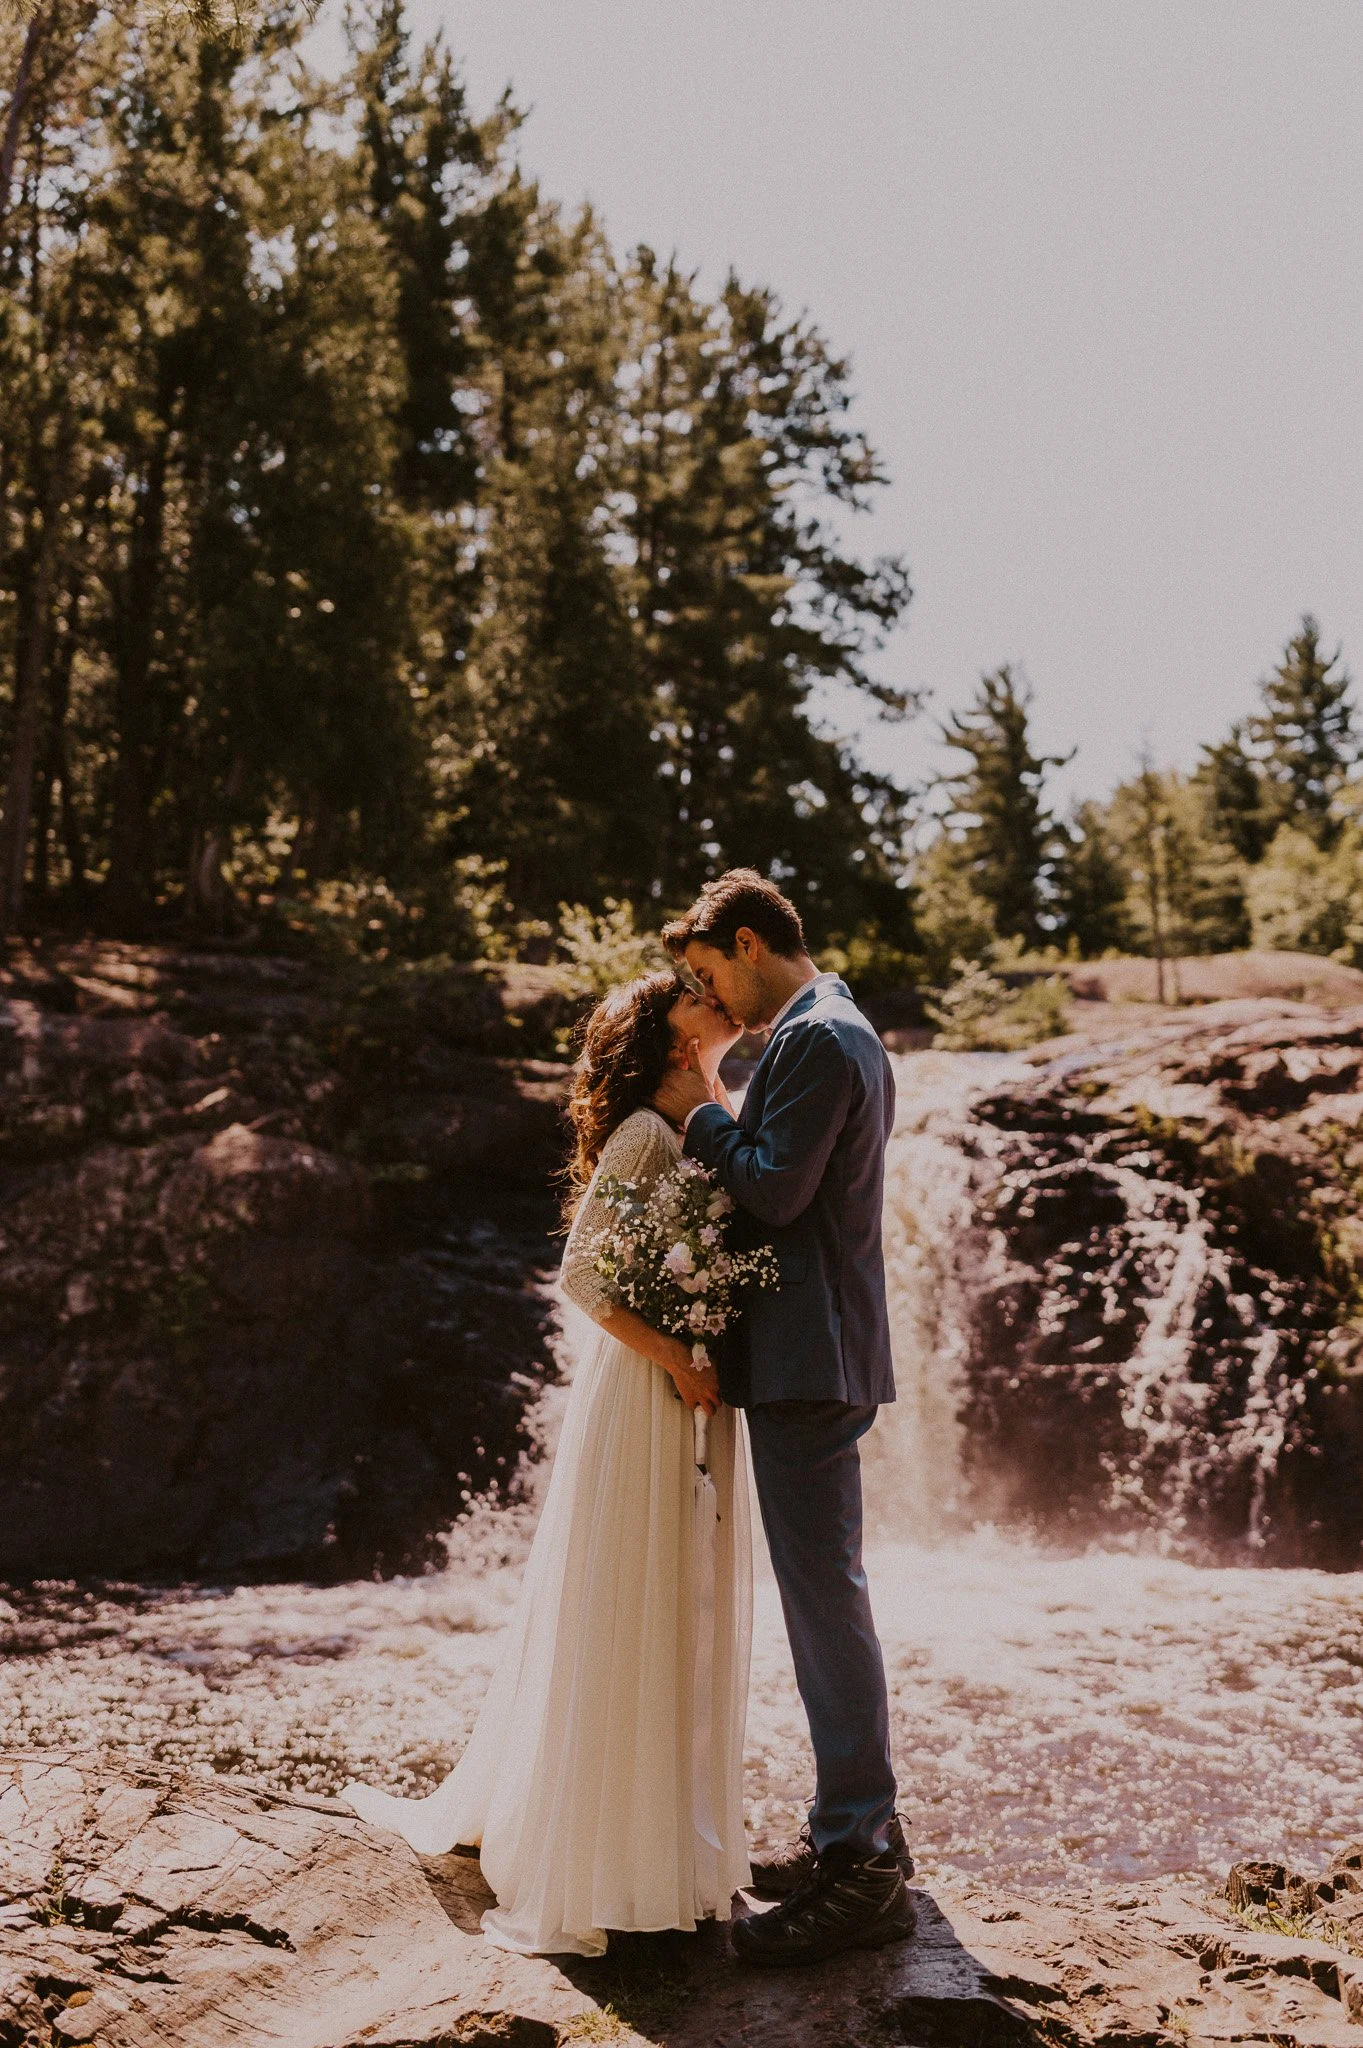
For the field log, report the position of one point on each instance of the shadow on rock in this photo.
(272, 1273)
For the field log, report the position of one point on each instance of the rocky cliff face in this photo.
(1165, 1291)
(273, 1245)
(270, 1259)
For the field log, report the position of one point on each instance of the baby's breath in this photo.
(665, 1253)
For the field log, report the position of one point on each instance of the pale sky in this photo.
(1099, 267)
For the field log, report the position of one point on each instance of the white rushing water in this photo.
(1056, 1717)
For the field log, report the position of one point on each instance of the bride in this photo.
(588, 1784)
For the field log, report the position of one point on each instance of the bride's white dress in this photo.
(579, 1784)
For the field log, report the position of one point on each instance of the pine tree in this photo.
(1091, 886)
(1234, 786)
(352, 500)
(745, 599)
(952, 920)
(1185, 883)
(1305, 735)
(80, 103)
(549, 764)
(431, 172)
(998, 803)
(44, 437)
(300, 554)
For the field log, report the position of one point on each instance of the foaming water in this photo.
(934, 1259)
(1126, 1315)
(1056, 1717)
(1118, 1714)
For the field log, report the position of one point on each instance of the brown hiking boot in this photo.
(789, 1867)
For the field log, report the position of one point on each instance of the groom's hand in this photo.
(681, 1090)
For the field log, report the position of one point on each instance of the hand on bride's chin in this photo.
(681, 1090)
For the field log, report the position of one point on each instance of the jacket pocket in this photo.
(793, 1267)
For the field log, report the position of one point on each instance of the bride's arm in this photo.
(629, 1153)
(698, 1388)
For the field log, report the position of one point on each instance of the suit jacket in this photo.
(805, 1162)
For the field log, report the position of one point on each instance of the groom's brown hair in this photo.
(740, 897)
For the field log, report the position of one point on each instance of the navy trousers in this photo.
(808, 1472)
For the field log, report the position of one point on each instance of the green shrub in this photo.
(870, 964)
(598, 952)
(1304, 898)
(979, 1012)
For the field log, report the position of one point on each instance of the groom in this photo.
(810, 1361)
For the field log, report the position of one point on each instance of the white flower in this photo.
(710, 1234)
(697, 1317)
(679, 1260)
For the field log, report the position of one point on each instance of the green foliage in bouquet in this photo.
(665, 1254)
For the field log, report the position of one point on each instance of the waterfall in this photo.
(1087, 1341)
(1082, 1347)
(936, 1256)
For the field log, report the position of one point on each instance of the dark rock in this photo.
(1162, 1318)
(266, 1271)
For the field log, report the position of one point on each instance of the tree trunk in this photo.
(128, 886)
(9, 144)
(42, 831)
(210, 899)
(28, 712)
(1157, 917)
(53, 774)
(73, 838)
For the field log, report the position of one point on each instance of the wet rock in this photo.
(271, 1251)
(1160, 1299)
(151, 1905)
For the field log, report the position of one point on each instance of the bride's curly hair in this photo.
(622, 1057)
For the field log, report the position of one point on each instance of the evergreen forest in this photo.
(381, 548)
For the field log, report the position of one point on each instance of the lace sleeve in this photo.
(637, 1149)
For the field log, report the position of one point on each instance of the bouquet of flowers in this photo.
(664, 1254)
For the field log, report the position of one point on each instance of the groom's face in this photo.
(733, 980)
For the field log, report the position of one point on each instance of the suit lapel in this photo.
(757, 1087)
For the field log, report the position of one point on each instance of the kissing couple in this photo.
(603, 1782)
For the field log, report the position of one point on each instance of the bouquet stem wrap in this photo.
(706, 1520)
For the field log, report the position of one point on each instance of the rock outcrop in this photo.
(268, 1259)
(1165, 1285)
(149, 1907)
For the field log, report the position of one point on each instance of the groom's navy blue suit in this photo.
(810, 1361)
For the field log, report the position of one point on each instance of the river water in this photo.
(1117, 1714)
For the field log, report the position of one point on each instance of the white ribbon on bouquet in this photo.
(705, 1523)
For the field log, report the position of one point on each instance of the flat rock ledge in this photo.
(145, 1905)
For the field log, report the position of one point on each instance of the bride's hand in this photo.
(698, 1386)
